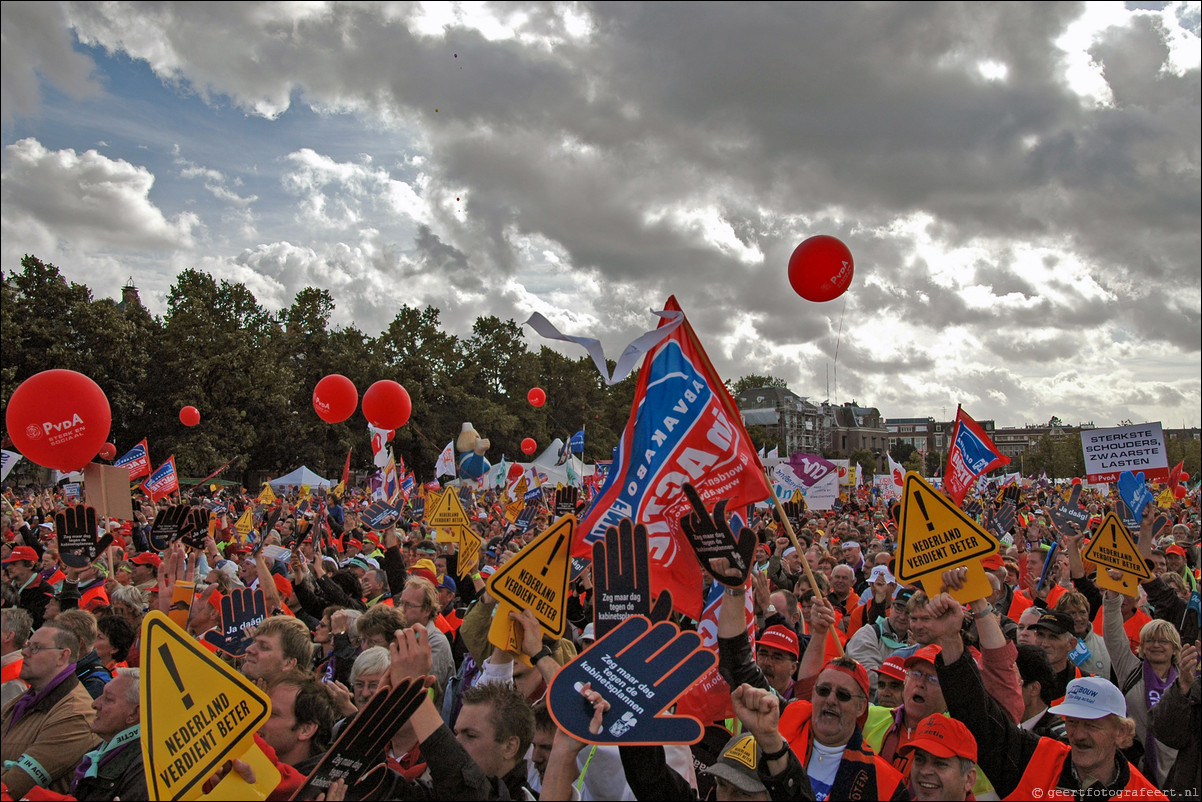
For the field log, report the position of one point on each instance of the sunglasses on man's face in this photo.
(842, 694)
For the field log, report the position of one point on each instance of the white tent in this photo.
(544, 463)
(301, 476)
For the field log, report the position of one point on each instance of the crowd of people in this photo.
(848, 685)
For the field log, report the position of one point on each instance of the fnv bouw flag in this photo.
(972, 454)
(683, 427)
(163, 482)
(137, 459)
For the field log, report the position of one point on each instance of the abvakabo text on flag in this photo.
(683, 427)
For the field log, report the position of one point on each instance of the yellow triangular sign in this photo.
(1113, 547)
(469, 551)
(537, 577)
(267, 496)
(447, 516)
(743, 751)
(514, 509)
(933, 534)
(245, 523)
(197, 712)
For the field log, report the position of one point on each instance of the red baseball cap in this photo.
(893, 667)
(22, 554)
(926, 653)
(943, 736)
(1175, 549)
(780, 637)
(147, 558)
(993, 561)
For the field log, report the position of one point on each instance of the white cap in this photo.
(881, 571)
(1092, 698)
(590, 632)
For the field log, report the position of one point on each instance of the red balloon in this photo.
(1076, 480)
(1179, 491)
(189, 416)
(820, 268)
(537, 396)
(528, 445)
(59, 419)
(107, 451)
(335, 398)
(386, 405)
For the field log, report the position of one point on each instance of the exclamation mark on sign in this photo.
(169, 664)
(554, 551)
(1114, 537)
(922, 506)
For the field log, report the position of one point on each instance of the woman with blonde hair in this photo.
(1144, 677)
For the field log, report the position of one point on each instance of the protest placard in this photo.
(1109, 452)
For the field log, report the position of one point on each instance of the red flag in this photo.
(346, 469)
(683, 427)
(163, 482)
(971, 454)
(137, 459)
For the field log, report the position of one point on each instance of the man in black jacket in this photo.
(114, 770)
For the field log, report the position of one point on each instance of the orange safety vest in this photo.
(1043, 772)
(1023, 600)
(1131, 626)
(12, 670)
(794, 727)
(93, 596)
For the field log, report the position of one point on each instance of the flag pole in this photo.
(805, 564)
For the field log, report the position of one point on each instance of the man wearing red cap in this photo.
(34, 593)
(891, 682)
(146, 570)
(825, 735)
(776, 654)
(1174, 558)
(943, 757)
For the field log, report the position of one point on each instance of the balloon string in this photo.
(838, 340)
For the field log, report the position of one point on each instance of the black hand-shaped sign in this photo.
(1003, 519)
(240, 609)
(710, 537)
(358, 757)
(194, 528)
(640, 670)
(166, 527)
(565, 500)
(1064, 515)
(622, 579)
(79, 542)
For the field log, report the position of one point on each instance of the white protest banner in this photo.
(888, 489)
(823, 494)
(1139, 449)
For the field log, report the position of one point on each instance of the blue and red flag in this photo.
(137, 459)
(163, 482)
(971, 454)
(683, 427)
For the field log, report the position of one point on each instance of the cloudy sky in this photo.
(1019, 183)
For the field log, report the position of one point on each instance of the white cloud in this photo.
(85, 198)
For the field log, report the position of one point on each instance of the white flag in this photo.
(446, 462)
(379, 445)
(7, 460)
(899, 473)
(629, 358)
(774, 453)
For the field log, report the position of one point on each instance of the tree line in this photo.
(251, 373)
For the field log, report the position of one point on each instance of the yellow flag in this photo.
(338, 490)
(267, 496)
(304, 491)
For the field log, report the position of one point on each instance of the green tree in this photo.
(752, 381)
(866, 460)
